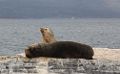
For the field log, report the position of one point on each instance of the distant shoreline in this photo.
(71, 18)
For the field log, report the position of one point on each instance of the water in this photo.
(16, 34)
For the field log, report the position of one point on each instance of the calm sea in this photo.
(16, 34)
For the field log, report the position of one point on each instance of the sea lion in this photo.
(47, 35)
(60, 49)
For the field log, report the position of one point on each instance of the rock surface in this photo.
(106, 61)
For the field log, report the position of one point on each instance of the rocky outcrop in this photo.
(106, 61)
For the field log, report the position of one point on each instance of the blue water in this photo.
(16, 34)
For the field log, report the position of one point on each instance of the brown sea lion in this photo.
(47, 35)
(60, 49)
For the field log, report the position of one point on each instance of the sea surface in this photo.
(17, 34)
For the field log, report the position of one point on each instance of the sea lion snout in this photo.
(28, 52)
(42, 30)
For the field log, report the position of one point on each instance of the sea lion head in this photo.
(47, 34)
(34, 50)
(46, 31)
